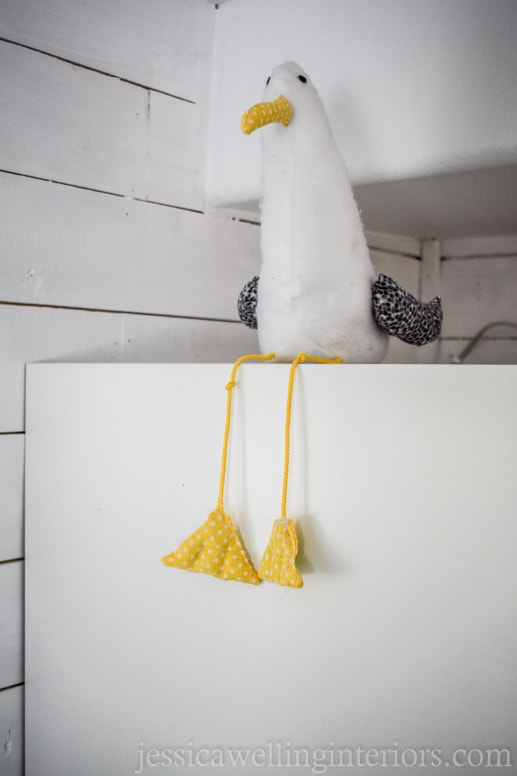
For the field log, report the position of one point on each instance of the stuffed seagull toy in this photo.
(318, 292)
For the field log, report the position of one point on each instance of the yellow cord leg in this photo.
(215, 548)
(278, 562)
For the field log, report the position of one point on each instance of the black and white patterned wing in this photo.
(398, 313)
(247, 303)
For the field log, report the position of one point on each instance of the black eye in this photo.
(302, 79)
(268, 80)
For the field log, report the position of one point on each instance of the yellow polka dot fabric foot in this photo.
(214, 549)
(278, 562)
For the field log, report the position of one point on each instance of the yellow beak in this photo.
(266, 113)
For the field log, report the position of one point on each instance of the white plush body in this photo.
(315, 281)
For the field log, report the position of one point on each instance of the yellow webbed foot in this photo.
(214, 549)
(278, 562)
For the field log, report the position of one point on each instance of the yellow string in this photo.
(229, 387)
(298, 360)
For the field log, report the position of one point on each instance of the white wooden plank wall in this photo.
(479, 287)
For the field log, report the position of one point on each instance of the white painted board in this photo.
(469, 247)
(12, 450)
(11, 623)
(168, 49)
(85, 249)
(11, 732)
(477, 292)
(76, 126)
(404, 635)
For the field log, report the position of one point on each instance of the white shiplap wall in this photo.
(479, 287)
(106, 251)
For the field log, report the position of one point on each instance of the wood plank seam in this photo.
(475, 247)
(392, 254)
(63, 183)
(116, 312)
(99, 191)
(479, 256)
(95, 70)
(163, 204)
(507, 338)
(12, 686)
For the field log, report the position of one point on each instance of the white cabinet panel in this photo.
(403, 489)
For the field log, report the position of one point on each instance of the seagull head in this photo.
(289, 92)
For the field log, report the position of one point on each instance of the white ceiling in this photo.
(475, 203)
